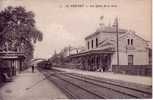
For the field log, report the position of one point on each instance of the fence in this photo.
(143, 70)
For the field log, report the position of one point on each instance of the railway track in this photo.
(77, 86)
(136, 93)
(72, 90)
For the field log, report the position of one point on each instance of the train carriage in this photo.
(45, 65)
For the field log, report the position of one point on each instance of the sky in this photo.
(63, 26)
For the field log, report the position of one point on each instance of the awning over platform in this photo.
(11, 55)
(91, 52)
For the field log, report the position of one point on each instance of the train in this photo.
(45, 65)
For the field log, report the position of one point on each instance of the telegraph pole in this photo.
(116, 21)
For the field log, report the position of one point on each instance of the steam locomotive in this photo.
(45, 65)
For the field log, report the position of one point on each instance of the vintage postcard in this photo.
(75, 49)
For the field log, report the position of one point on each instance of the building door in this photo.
(130, 59)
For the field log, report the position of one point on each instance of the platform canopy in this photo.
(92, 52)
(11, 55)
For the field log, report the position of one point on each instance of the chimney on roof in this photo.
(101, 24)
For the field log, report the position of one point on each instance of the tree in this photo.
(18, 30)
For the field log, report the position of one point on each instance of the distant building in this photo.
(69, 50)
(101, 47)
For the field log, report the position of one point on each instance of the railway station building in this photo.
(101, 51)
(11, 61)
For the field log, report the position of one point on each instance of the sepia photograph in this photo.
(75, 49)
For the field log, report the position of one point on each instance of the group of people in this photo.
(101, 69)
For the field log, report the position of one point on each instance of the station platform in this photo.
(144, 80)
(30, 86)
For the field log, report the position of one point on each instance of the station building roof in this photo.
(106, 29)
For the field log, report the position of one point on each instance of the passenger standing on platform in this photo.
(33, 68)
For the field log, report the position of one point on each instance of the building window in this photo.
(131, 41)
(130, 59)
(128, 41)
(96, 42)
(92, 43)
(88, 45)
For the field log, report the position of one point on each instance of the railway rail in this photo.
(77, 86)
